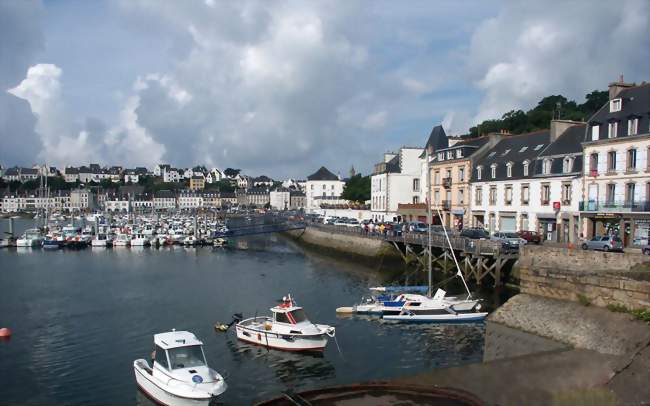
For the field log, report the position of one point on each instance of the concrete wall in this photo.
(602, 278)
(346, 243)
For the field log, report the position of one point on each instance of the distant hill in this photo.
(539, 117)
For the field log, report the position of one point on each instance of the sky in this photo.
(284, 87)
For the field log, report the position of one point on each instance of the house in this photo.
(297, 200)
(119, 203)
(164, 200)
(395, 180)
(214, 176)
(71, 174)
(12, 174)
(171, 175)
(450, 171)
(142, 202)
(243, 181)
(616, 180)
(262, 181)
(228, 199)
(189, 200)
(197, 182)
(160, 169)
(131, 176)
(252, 197)
(82, 199)
(323, 187)
(280, 199)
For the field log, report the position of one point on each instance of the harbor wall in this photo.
(349, 244)
(590, 277)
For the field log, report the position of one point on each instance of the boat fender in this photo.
(5, 332)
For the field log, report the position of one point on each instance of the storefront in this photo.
(478, 219)
(547, 226)
(457, 216)
(507, 222)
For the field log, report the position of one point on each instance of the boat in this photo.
(287, 329)
(220, 242)
(179, 373)
(53, 243)
(122, 240)
(190, 241)
(140, 240)
(101, 241)
(32, 237)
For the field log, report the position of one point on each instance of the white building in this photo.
(323, 187)
(81, 199)
(214, 176)
(188, 200)
(71, 174)
(171, 175)
(164, 200)
(280, 199)
(160, 169)
(616, 183)
(395, 180)
(117, 203)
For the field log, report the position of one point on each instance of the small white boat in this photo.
(30, 238)
(190, 241)
(288, 329)
(220, 242)
(122, 240)
(419, 308)
(140, 240)
(179, 374)
(101, 240)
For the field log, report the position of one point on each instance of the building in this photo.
(71, 174)
(20, 174)
(164, 200)
(117, 203)
(214, 176)
(280, 199)
(252, 197)
(133, 175)
(323, 187)
(190, 200)
(450, 173)
(616, 181)
(262, 181)
(197, 182)
(297, 200)
(171, 175)
(160, 169)
(81, 199)
(243, 181)
(395, 180)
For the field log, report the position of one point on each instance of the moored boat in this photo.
(179, 373)
(30, 238)
(287, 329)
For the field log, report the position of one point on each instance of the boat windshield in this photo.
(186, 357)
(298, 316)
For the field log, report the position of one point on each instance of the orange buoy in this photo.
(5, 332)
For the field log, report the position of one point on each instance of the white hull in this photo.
(438, 318)
(28, 242)
(149, 385)
(99, 243)
(140, 242)
(286, 342)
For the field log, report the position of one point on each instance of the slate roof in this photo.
(71, 171)
(515, 149)
(468, 147)
(567, 143)
(28, 171)
(437, 140)
(12, 171)
(164, 194)
(322, 174)
(636, 103)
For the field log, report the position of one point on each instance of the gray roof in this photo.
(636, 103)
(437, 140)
(322, 174)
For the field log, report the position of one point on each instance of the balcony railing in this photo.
(446, 183)
(615, 206)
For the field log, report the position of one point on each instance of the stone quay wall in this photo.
(350, 244)
(600, 278)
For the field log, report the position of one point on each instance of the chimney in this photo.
(558, 127)
(615, 88)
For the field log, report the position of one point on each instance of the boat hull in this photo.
(437, 318)
(147, 384)
(284, 342)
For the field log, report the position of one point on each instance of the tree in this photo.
(224, 186)
(594, 101)
(231, 173)
(357, 189)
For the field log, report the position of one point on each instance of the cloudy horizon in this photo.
(282, 88)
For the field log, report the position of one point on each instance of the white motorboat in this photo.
(30, 238)
(220, 242)
(101, 240)
(179, 374)
(419, 308)
(140, 240)
(122, 240)
(190, 241)
(288, 329)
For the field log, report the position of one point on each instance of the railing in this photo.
(458, 243)
(615, 206)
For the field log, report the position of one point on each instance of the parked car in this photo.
(531, 237)
(508, 240)
(475, 234)
(645, 249)
(604, 243)
(353, 223)
(419, 227)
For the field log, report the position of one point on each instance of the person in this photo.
(381, 228)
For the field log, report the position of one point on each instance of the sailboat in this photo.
(437, 308)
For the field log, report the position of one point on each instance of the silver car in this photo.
(604, 243)
(508, 240)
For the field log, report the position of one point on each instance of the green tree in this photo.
(357, 189)
(231, 173)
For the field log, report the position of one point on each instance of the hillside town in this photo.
(568, 182)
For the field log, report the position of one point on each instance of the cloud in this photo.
(530, 50)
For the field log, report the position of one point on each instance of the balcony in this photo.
(446, 182)
(615, 206)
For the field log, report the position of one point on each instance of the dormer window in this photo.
(479, 172)
(633, 126)
(615, 105)
(523, 149)
(595, 129)
(441, 156)
(538, 147)
(450, 154)
(491, 154)
(567, 164)
(509, 169)
(459, 153)
(505, 152)
(546, 168)
(493, 169)
(612, 129)
(526, 165)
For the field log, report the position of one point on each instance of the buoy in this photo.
(345, 310)
(5, 332)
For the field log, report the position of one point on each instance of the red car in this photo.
(531, 237)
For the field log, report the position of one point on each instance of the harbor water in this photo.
(80, 318)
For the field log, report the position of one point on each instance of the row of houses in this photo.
(573, 180)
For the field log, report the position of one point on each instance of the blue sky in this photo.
(284, 87)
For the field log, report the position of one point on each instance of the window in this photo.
(478, 197)
(436, 178)
(566, 193)
(441, 156)
(615, 105)
(448, 173)
(461, 196)
(595, 129)
(525, 194)
(526, 164)
(186, 357)
(416, 185)
(494, 170)
(629, 194)
(509, 169)
(450, 154)
(161, 357)
(612, 129)
(567, 165)
(416, 200)
(633, 126)
(593, 164)
(611, 161)
(508, 195)
(493, 195)
(312, 187)
(459, 153)
(631, 159)
(505, 152)
(523, 149)
(297, 316)
(538, 147)
(479, 172)
(282, 318)
(436, 197)
(610, 194)
(546, 193)
(546, 167)
(461, 174)
(491, 154)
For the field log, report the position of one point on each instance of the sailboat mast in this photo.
(428, 199)
(453, 254)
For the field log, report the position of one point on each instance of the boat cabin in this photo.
(178, 350)
(288, 313)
